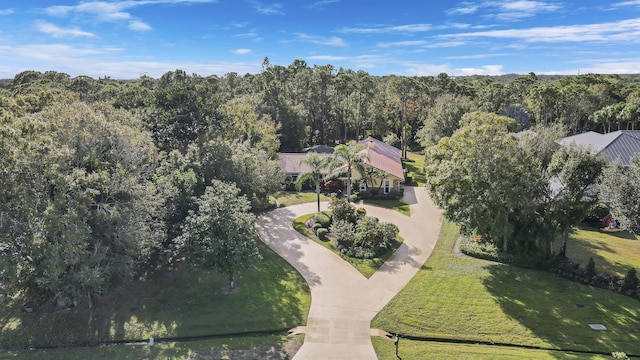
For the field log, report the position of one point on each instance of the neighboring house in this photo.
(386, 159)
(614, 147)
(618, 146)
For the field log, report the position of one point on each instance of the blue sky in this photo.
(125, 39)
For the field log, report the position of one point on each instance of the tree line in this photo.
(103, 178)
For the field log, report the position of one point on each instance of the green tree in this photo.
(219, 235)
(443, 118)
(347, 158)
(406, 89)
(576, 171)
(620, 186)
(253, 171)
(318, 167)
(482, 178)
(78, 203)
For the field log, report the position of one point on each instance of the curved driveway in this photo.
(343, 301)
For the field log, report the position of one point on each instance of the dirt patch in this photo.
(286, 352)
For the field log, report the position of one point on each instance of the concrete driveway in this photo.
(343, 301)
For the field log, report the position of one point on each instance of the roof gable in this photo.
(383, 157)
(619, 145)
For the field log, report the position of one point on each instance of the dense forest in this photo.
(102, 178)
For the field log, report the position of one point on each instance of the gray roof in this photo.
(291, 163)
(618, 146)
(320, 149)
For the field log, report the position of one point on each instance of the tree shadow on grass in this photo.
(175, 302)
(559, 312)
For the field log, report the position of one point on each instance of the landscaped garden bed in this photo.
(363, 241)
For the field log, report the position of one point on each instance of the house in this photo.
(291, 165)
(618, 146)
(614, 147)
(384, 158)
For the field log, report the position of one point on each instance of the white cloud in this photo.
(609, 66)
(56, 53)
(476, 56)
(506, 10)
(432, 70)
(514, 10)
(446, 44)
(97, 62)
(403, 43)
(322, 4)
(112, 11)
(6, 12)
(620, 31)
(138, 25)
(464, 8)
(327, 58)
(242, 51)
(626, 3)
(267, 9)
(410, 28)
(58, 32)
(319, 40)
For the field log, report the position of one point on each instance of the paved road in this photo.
(343, 301)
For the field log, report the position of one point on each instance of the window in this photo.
(363, 186)
(294, 178)
(387, 186)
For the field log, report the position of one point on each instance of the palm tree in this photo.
(349, 156)
(317, 167)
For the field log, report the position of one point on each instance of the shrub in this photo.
(315, 228)
(322, 233)
(342, 210)
(323, 219)
(631, 281)
(356, 252)
(343, 231)
(361, 212)
(371, 234)
(596, 215)
(389, 233)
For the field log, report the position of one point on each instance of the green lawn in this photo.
(396, 205)
(366, 267)
(463, 298)
(289, 199)
(409, 350)
(160, 350)
(613, 253)
(414, 164)
(171, 303)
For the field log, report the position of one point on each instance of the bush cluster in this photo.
(323, 219)
(354, 234)
(629, 285)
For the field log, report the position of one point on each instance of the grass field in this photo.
(366, 267)
(206, 349)
(291, 198)
(414, 165)
(463, 298)
(396, 205)
(408, 349)
(613, 253)
(170, 303)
